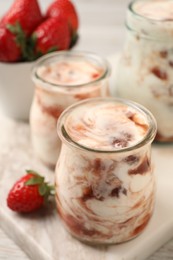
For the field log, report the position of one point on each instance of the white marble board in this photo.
(42, 236)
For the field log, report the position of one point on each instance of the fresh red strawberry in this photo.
(68, 10)
(26, 12)
(29, 193)
(9, 50)
(53, 34)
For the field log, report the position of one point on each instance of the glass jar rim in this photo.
(69, 54)
(148, 137)
(146, 27)
(131, 9)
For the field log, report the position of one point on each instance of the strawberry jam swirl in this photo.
(70, 72)
(106, 126)
(104, 194)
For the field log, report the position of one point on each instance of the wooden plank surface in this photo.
(102, 31)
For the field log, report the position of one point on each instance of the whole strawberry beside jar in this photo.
(29, 193)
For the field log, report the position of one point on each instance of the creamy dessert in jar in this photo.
(61, 79)
(105, 185)
(145, 71)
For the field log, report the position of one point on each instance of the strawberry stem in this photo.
(74, 39)
(26, 44)
(44, 188)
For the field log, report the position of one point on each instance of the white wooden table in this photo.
(101, 31)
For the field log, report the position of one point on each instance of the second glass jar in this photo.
(61, 79)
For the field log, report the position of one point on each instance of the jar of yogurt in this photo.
(145, 70)
(105, 184)
(61, 79)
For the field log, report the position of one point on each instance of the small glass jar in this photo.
(105, 185)
(61, 79)
(145, 69)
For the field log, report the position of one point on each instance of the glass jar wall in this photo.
(61, 79)
(145, 70)
(105, 184)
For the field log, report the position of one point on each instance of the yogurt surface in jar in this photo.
(155, 9)
(70, 72)
(106, 126)
(105, 186)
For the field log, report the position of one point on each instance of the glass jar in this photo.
(61, 79)
(105, 185)
(145, 69)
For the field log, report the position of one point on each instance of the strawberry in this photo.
(16, 25)
(29, 193)
(9, 50)
(53, 34)
(68, 10)
(26, 12)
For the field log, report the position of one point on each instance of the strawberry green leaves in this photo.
(45, 189)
